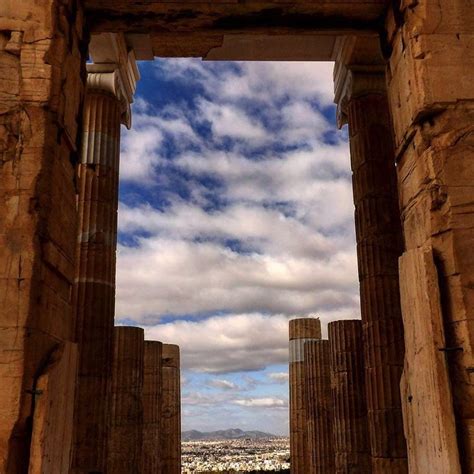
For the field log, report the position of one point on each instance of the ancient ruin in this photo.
(403, 83)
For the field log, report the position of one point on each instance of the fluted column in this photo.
(351, 443)
(171, 410)
(300, 331)
(152, 393)
(319, 409)
(106, 107)
(379, 245)
(126, 426)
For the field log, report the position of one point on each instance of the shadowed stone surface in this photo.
(152, 400)
(379, 244)
(319, 407)
(126, 427)
(171, 410)
(351, 436)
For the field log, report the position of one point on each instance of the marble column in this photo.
(171, 410)
(351, 440)
(363, 103)
(319, 409)
(126, 426)
(106, 107)
(300, 331)
(152, 395)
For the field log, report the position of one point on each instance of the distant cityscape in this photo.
(234, 451)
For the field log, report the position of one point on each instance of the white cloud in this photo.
(279, 377)
(266, 402)
(230, 121)
(223, 384)
(265, 81)
(234, 342)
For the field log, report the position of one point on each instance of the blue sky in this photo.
(235, 215)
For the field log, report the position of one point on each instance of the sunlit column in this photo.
(110, 88)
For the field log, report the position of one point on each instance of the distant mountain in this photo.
(195, 435)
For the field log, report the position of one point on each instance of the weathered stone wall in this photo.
(42, 53)
(51, 441)
(432, 101)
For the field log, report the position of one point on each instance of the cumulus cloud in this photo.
(234, 342)
(236, 215)
(266, 82)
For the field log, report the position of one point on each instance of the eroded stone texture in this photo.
(351, 436)
(425, 383)
(300, 331)
(126, 426)
(152, 394)
(97, 176)
(432, 101)
(171, 410)
(319, 408)
(42, 53)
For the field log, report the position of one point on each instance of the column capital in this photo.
(359, 70)
(114, 70)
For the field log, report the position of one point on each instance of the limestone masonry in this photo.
(73, 388)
